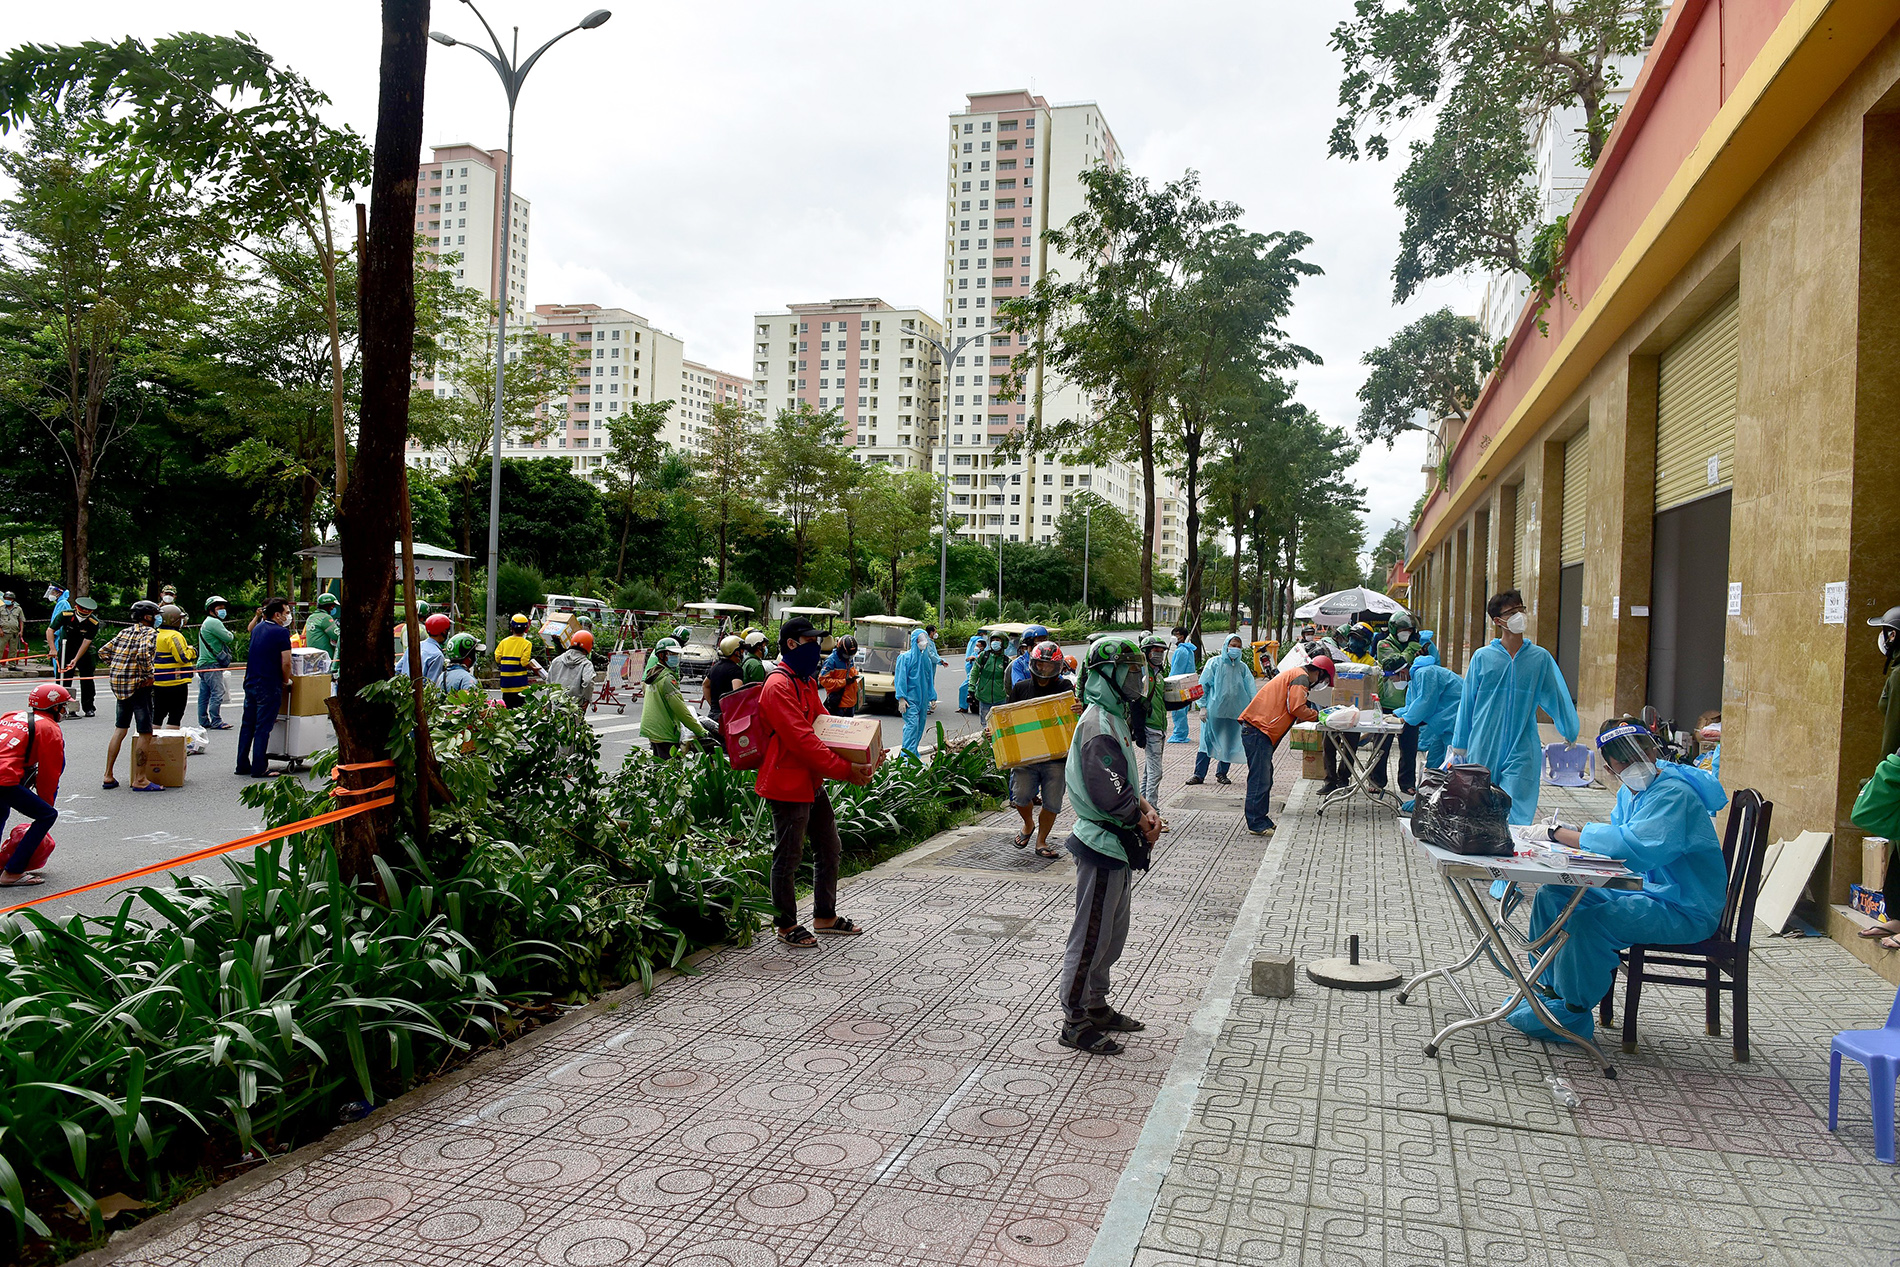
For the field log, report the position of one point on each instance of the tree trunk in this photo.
(1192, 450)
(626, 528)
(1235, 605)
(1147, 521)
(369, 516)
(723, 515)
(338, 419)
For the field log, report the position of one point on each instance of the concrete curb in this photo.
(1118, 1240)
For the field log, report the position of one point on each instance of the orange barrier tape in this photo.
(384, 786)
(262, 837)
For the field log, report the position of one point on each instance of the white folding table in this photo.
(1500, 940)
(1361, 760)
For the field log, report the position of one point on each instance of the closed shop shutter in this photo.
(1698, 386)
(1576, 495)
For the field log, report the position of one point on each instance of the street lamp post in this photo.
(1088, 520)
(943, 557)
(513, 72)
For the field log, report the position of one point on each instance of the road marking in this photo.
(614, 730)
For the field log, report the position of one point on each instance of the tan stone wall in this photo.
(1817, 471)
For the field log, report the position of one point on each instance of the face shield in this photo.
(1633, 748)
(1131, 679)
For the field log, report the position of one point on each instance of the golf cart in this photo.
(708, 623)
(881, 639)
(1011, 631)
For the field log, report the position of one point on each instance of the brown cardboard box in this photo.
(306, 696)
(1874, 862)
(859, 740)
(165, 758)
(1357, 692)
(1313, 765)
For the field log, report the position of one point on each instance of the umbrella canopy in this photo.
(1342, 605)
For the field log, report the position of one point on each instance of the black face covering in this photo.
(803, 659)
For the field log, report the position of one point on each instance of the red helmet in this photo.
(1046, 660)
(1324, 664)
(438, 626)
(48, 696)
(582, 638)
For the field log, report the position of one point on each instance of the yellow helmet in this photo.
(518, 621)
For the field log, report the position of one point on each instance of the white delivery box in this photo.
(294, 738)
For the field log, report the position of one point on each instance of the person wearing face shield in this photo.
(1396, 653)
(1115, 828)
(1226, 688)
(989, 676)
(32, 757)
(914, 680)
(1181, 660)
(1507, 681)
(1663, 831)
(1154, 652)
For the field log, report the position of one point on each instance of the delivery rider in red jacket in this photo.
(792, 778)
(32, 757)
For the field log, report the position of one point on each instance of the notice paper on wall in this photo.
(1734, 598)
(1616, 607)
(1834, 603)
(1586, 617)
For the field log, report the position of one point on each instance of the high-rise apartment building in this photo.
(861, 357)
(702, 387)
(1015, 171)
(459, 212)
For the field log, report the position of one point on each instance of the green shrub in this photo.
(737, 591)
(955, 607)
(1015, 612)
(640, 596)
(519, 587)
(986, 612)
(810, 598)
(867, 603)
(913, 607)
(1043, 613)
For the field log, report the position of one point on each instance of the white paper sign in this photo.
(1586, 617)
(1834, 603)
(1734, 598)
(1715, 470)
(1636, 610)
(1616, 607)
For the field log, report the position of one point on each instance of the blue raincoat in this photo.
(1180, 660)
(1663, 833)
(1431, 704)
(915, 680)
(1497, 718)
(1226, 688)
(1019, 667)
(970, 652)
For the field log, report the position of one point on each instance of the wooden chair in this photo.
(1723, 956)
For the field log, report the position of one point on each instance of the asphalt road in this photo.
(107, 833)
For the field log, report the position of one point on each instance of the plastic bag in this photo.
(1342, 718)
(1461, 810)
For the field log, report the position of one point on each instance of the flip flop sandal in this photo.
(1889, 943)
(25, 881)
(843, 928)
(149, 787)
(1088, 1039)
(1020, 840)
(1044, 851)
(1116, 1023)
(1878, 930)
(798, 937)
(109, 784)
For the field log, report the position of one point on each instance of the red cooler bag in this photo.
(40, 855)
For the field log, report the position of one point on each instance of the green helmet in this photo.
(326, 599)
(1151, 644)
(460, 647)
(1401, 620)
(666, 646)
(1113, 652)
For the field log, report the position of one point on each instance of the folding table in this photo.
(1361, 760)
(1500, 940)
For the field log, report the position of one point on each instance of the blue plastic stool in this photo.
(1879, 1050)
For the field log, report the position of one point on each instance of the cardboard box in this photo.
(1357, 685)
(1869, 902)
(306, 696)
(165, 758)
(1182, 688)
(1304, 737)
(859, 740)
(1874, 854)
(1034, 730)
(1313, 764)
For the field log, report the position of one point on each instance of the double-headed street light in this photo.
(512, 72)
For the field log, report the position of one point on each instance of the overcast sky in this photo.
(697, 163)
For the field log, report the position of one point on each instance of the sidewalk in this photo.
(1321, 1134)
(894, 1099)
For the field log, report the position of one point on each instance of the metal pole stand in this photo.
(1351, 974)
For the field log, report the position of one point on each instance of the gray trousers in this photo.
(1151, 769)
(1096, 937)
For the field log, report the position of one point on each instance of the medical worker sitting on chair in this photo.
(1661, 829)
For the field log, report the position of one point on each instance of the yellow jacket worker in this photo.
(515, 662)
(172, 660)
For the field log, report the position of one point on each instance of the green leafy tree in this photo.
(913, 607)
(1329, 550)
(737, 591)
(1113, 548)
(551, 518)
(631, 471)
(1389, 552)
(1433, 368)
(899, 513)
(727, 471)
(1479, 69)
(108, 271)
(804, 465)
(867, 604)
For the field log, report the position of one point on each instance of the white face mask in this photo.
(1638, 775)
(1517, 623)
(1884, 640)
(1405, 635)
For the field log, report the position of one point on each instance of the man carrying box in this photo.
(1114, 831)
(1042, 782)
(1264, 723)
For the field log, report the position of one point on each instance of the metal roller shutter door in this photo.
(1698, 386)
(1576, 496)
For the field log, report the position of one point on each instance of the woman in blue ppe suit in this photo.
(1661, 829)
(1226, 689)
(1505, 684)
(1431, 704)
(1019, 667)
(915, 680)
(1181, 660)
(971, 651)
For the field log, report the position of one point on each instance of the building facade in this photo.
(459, 212)
(861, 357)
(1691, 477)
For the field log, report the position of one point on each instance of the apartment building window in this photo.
(967, 129)
(986, 127)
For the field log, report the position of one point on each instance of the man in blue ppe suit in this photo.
(1226, 689)
(1661, 829)
(915, 679)
(1019, 667)
(970, 652)
(1431, 704)
(1505, 684)
(1180, 660)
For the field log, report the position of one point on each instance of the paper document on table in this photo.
(1534, 845)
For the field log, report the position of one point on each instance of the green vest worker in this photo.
(753, 667)
(321, 630)
(515, 663)
(664, 710)
(1114, 830)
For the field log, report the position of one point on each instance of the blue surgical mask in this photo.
(1232, 653)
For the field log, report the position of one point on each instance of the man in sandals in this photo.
(1043, 782)
(1114, 831)
(792, 776)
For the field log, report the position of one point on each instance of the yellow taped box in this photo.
(1033, 731)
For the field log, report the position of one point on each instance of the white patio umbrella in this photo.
(1341, 605)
